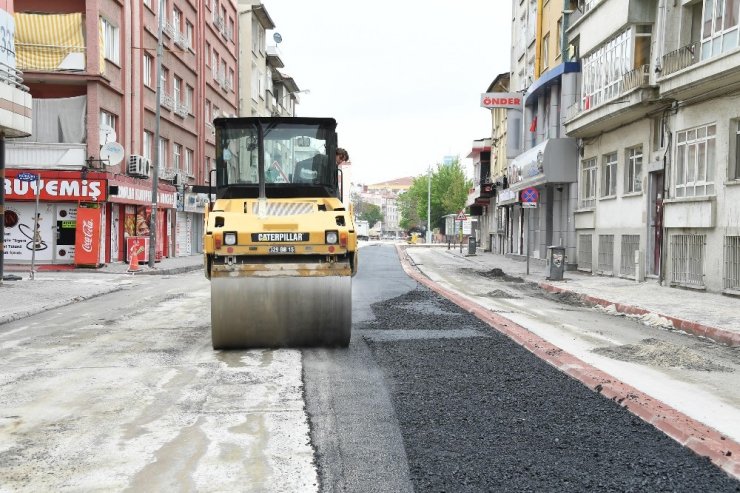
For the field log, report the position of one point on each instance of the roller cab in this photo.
(280, 247)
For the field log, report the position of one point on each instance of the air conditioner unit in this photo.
(177, 178)
(139, 166)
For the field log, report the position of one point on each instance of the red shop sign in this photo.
(55, 187)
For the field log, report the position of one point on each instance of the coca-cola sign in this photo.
(88, 226)
(87, 236)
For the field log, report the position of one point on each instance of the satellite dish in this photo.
(278, 39)
(107, 134)
(112, 152)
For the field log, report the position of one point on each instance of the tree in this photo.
(370, 213)
(449, 194)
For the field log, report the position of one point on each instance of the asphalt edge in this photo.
(716, 334)
(700, 438)
(20, 315)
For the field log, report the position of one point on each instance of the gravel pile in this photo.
(479, 413)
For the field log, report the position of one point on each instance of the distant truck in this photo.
(362, 228)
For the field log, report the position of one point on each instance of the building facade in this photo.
(92, 70)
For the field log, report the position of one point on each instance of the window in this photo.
(189, 34)
(108, 119)
(734, 161)
(255, 38)
(222, 73)
(208, 112)
(719, 27)
(603, 69)
(231, 28)
(176, 153)
(163, 78)
(189, 91)
(633, 170)
(162, 153)
(214, 64)
(177, 94)
(609, 175)
(587, 184)
(208, 54)
(189, 162)
(559, 38)
(545, 53)
(255, 82)
(695, 154)
(230, 80)
(177, 19)
(147, 69)
(146, 145)
(110, 41)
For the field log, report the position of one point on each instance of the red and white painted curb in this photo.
(702, 439)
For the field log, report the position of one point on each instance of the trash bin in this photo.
(555, 262)
(471, 245)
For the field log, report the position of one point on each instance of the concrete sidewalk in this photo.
(55, 286)
(710, 315)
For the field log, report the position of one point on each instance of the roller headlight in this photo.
(332, 237)
(230, 238)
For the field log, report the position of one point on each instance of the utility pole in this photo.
(429, 205)
(157, 157)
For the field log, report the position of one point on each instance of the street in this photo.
(123, 392)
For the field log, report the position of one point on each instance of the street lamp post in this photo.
(429, 205)
(157, 157)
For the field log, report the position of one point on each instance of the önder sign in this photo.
(501, 100)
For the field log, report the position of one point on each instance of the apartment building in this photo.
(540, 192)
(16, 229)
(91, 68)
(657, 121)
(265, 88)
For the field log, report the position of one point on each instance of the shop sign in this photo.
(87, 238)
(20, 239)
(53, 188)
(130, 193)
(501, 100)
(195, 202)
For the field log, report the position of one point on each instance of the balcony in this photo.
(50, 58)
(680, 59)
(601, 112)
(39, 155)
(182, 110)
(167, 101)
(16, 113)
(685, 76)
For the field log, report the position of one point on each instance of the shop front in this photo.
(549, 172)
(52, 231)
(189, 225)
(130, 202)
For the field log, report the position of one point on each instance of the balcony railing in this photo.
(167, 101)
(680, 59)
(182, 109)
(12, 77)
(638, 77)
(49, 58)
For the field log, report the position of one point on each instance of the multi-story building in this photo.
(657, 121)
(92, 70)
(542, 161)
(385, 195)
(265, 90)
(16, 229)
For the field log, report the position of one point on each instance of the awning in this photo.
(50, 42)
(552, 161)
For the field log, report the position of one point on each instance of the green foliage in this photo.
(449, 191)
(365, 211)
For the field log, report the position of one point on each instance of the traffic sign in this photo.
(27, 177)
(529, 195)
(461, 216)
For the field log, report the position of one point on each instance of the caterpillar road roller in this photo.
(280, 247)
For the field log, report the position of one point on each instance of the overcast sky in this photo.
(402, 78)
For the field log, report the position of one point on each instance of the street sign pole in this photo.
(35, 226)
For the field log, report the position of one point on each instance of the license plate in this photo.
(282, 249)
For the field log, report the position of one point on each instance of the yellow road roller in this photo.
(280, 247)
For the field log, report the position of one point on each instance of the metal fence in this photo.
(687, 259)
(679, 59)
(732, 262)
(585, 252)
(630, 245)
(606, 254)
